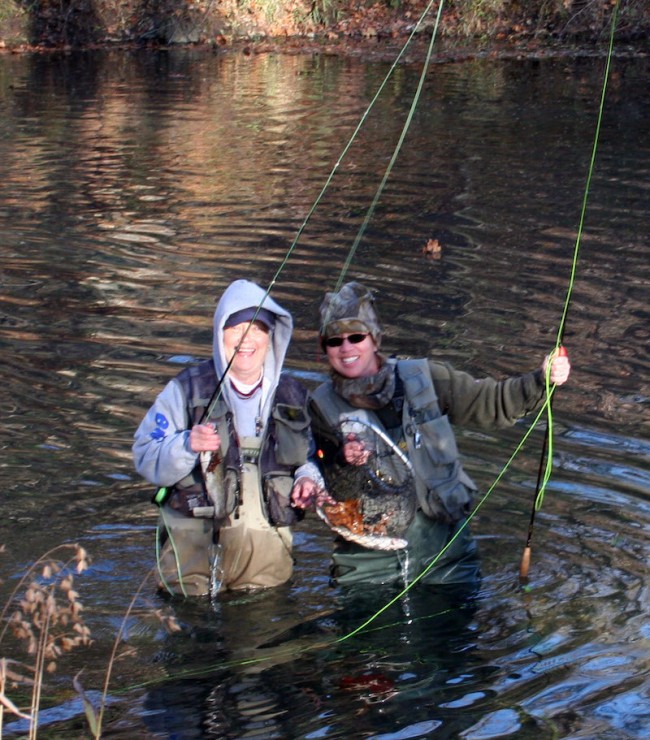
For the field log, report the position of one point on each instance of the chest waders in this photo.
(251, 553)
(186, 552)
(244, 551)
(440, 481)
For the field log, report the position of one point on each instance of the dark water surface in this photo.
(135, 187)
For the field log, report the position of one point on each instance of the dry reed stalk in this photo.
(47, 621)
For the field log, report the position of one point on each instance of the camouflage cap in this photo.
(350, 310)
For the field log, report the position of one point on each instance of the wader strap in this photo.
(250, 510)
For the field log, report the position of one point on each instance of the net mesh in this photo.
(375, 498)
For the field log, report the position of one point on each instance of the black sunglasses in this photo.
(338, 341)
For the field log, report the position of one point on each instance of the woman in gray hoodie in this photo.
(228, 441)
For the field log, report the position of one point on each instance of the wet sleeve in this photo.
(486, 402)
(312, 471)
(161, 452)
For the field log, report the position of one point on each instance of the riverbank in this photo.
(369, 29)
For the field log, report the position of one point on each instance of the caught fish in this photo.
(342, 520)
(376, 499)
(221, 483)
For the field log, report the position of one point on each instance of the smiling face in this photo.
(354, 360)
(249, 360)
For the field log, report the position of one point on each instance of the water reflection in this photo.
(273, 687)
(136, 186)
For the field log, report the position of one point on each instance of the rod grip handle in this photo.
(524, 566)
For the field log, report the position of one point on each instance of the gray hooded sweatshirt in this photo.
(161, 450)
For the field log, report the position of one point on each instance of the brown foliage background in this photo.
(84, 23)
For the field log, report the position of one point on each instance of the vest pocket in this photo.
(439, 441)
(451, 500)
(449, 490)
(185, 500)
(277, 491)
(291, 434)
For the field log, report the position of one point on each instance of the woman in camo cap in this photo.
(414, 402)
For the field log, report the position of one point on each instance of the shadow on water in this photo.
(137, 186)
(251, 686)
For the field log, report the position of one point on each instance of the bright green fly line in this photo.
(539, 498)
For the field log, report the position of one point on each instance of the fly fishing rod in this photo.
(546, 459)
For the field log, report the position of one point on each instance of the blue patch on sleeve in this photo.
(161, 421)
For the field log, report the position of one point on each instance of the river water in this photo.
(136, 186)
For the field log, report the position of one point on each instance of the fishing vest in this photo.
(444, 490)
(284, 447)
